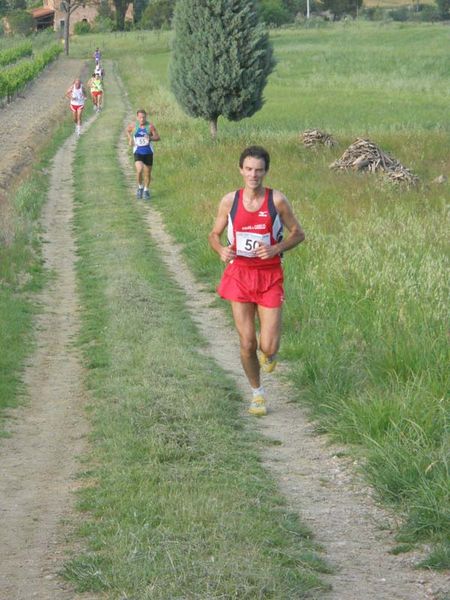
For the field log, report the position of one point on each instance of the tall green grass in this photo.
(366, 314)
(177, 503)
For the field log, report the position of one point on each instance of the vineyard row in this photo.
(10, 55)
(13, 79)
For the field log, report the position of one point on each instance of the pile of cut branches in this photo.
(365, 155)
(313, 137)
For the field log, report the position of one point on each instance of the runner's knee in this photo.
(269, 347)
(248, 346)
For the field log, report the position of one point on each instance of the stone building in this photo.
(86, 11)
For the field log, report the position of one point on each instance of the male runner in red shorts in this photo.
(254, 217)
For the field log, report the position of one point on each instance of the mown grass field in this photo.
(366, 314)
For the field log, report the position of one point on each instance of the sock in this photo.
(258, 391)
(145, 189)
(141, 187)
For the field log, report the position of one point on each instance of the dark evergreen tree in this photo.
(222, 57)
(121, 7)
(138, 8)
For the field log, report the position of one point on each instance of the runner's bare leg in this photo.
(244, 318)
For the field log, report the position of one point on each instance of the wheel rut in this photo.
(39, 461)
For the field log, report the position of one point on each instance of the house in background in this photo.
(44, 18)
(84, 12)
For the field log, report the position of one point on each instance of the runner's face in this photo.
(253, 171)
(142, 117)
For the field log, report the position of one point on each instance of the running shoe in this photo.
(139, 193)
(146, 194)
(267, 363)
(258, 406)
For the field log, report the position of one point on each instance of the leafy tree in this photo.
(21, 22)
(17, 4)
(222, 57)
(443, 9)
(69, 7)
(104, 10)
(3, 6)
(273, 12)
(294, 6)
(158, 14)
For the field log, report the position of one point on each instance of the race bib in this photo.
(247, 243)
(143, 140)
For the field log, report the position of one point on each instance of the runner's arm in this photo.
(226, 253)
(296, 234)
(129, 130)
(154, 135)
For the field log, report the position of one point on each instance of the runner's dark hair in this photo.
(141, 110)
(255, 152)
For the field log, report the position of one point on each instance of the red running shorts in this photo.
(262, 286)
(76, 107)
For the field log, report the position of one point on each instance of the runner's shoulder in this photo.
(279, 199)
(227, 200)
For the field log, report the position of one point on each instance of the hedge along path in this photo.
(39, 461)
(318, 484)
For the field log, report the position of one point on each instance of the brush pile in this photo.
(313, 137)
(367, 156)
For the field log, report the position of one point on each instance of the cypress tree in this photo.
(222, 57)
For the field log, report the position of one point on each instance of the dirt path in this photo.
(38, 462)
(319, 486)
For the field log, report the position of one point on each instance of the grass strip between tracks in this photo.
(177, 502)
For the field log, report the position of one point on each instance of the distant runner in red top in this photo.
(254, 217)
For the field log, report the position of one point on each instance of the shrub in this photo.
(82, 27)
(103, 25)
(274, 13)
(400, 14)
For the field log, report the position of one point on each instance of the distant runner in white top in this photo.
(77, 99)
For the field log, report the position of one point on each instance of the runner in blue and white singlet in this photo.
(141, 135)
